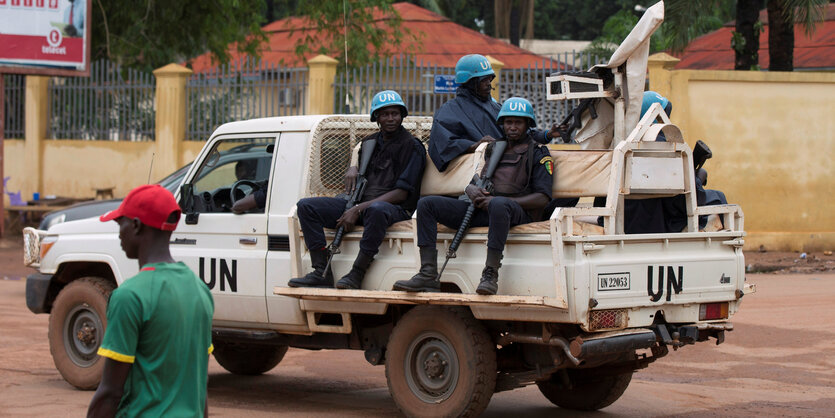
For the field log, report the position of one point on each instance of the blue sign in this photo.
(445, 83)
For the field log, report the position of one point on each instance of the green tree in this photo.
(573, 19)
(782, 15)
(370, 37)
(148, 34)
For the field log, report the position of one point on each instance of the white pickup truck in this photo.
(579, 308)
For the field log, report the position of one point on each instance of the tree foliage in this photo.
(374, 30)
(148, 34)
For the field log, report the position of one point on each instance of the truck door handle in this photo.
(248, 241)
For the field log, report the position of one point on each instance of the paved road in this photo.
(778, 361)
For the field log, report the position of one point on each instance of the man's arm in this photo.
(106, 399)
(406, 184)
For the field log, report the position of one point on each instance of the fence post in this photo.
(171, 118)
(320, 75)
(497, 68)
(660, 78)
(36, 127)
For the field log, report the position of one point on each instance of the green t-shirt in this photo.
(161, 321)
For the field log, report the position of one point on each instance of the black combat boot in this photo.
(490, 275)
(317, 277)
(353, 280)
(427, 278)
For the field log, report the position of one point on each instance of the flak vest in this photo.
(512, 177)
(387, 163)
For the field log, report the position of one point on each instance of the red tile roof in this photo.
(713, 50)
(439, 41)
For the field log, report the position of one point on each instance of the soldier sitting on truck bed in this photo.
(664, 214)
(462, 123)
(521, 188)
(394, 175)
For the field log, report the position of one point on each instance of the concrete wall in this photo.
(773, 141)
(74, 168)
(772, 134)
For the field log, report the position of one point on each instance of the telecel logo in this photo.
(54, 39)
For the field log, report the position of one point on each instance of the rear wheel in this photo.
(248, 359)
(440, 362)
(76, 330)
(585, 392)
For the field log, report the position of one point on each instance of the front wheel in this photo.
(585, 392)
(76, 330)
(248, 359)
(440, 362)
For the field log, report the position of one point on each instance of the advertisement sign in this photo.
(45, 37)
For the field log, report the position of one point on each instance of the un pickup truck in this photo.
(580, 307)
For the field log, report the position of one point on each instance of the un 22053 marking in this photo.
(613, 281)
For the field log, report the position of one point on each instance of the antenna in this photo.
(345, 37)
(151, 168)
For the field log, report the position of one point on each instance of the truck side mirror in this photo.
(187, 203)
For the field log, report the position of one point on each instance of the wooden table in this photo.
(20, 216)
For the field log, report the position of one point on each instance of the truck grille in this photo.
(608, 319)
(31, 246)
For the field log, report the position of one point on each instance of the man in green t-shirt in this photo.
(159, 322)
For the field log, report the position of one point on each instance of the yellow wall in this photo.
(773, 141)
(772, 135)
(14, 167)
(75, 168)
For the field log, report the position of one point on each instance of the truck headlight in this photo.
(55, 221)
(32, 251)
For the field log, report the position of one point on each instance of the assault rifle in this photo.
(575, 116)
(483, 182)
(366, 150)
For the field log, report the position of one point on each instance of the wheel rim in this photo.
(83, 332)
(431, 367)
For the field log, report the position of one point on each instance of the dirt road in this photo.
(778, 361)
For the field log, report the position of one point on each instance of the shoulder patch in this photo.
(548, 162)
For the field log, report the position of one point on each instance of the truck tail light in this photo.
(608, 319)
(708, 311)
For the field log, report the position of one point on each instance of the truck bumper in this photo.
(37, 287)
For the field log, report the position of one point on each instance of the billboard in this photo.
(45, 37)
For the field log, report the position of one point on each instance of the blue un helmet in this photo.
(517, 106)
(387, 98)
(651, 97)
(471, 66)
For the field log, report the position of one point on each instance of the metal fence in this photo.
(13, 105)
(114, 103)
(413, 79)
(243, 90)
(529, 82)
(333, 142)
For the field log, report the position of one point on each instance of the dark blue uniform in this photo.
(395, 164)
(501, 214)
(462, 121)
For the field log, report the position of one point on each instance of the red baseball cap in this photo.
(152, 204)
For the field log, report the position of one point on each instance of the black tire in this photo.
(440, 362)
(248, 359)
(76, 329)
(587, 393)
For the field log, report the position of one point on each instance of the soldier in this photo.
(391, 194)
(462, 123)
(522, 187)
